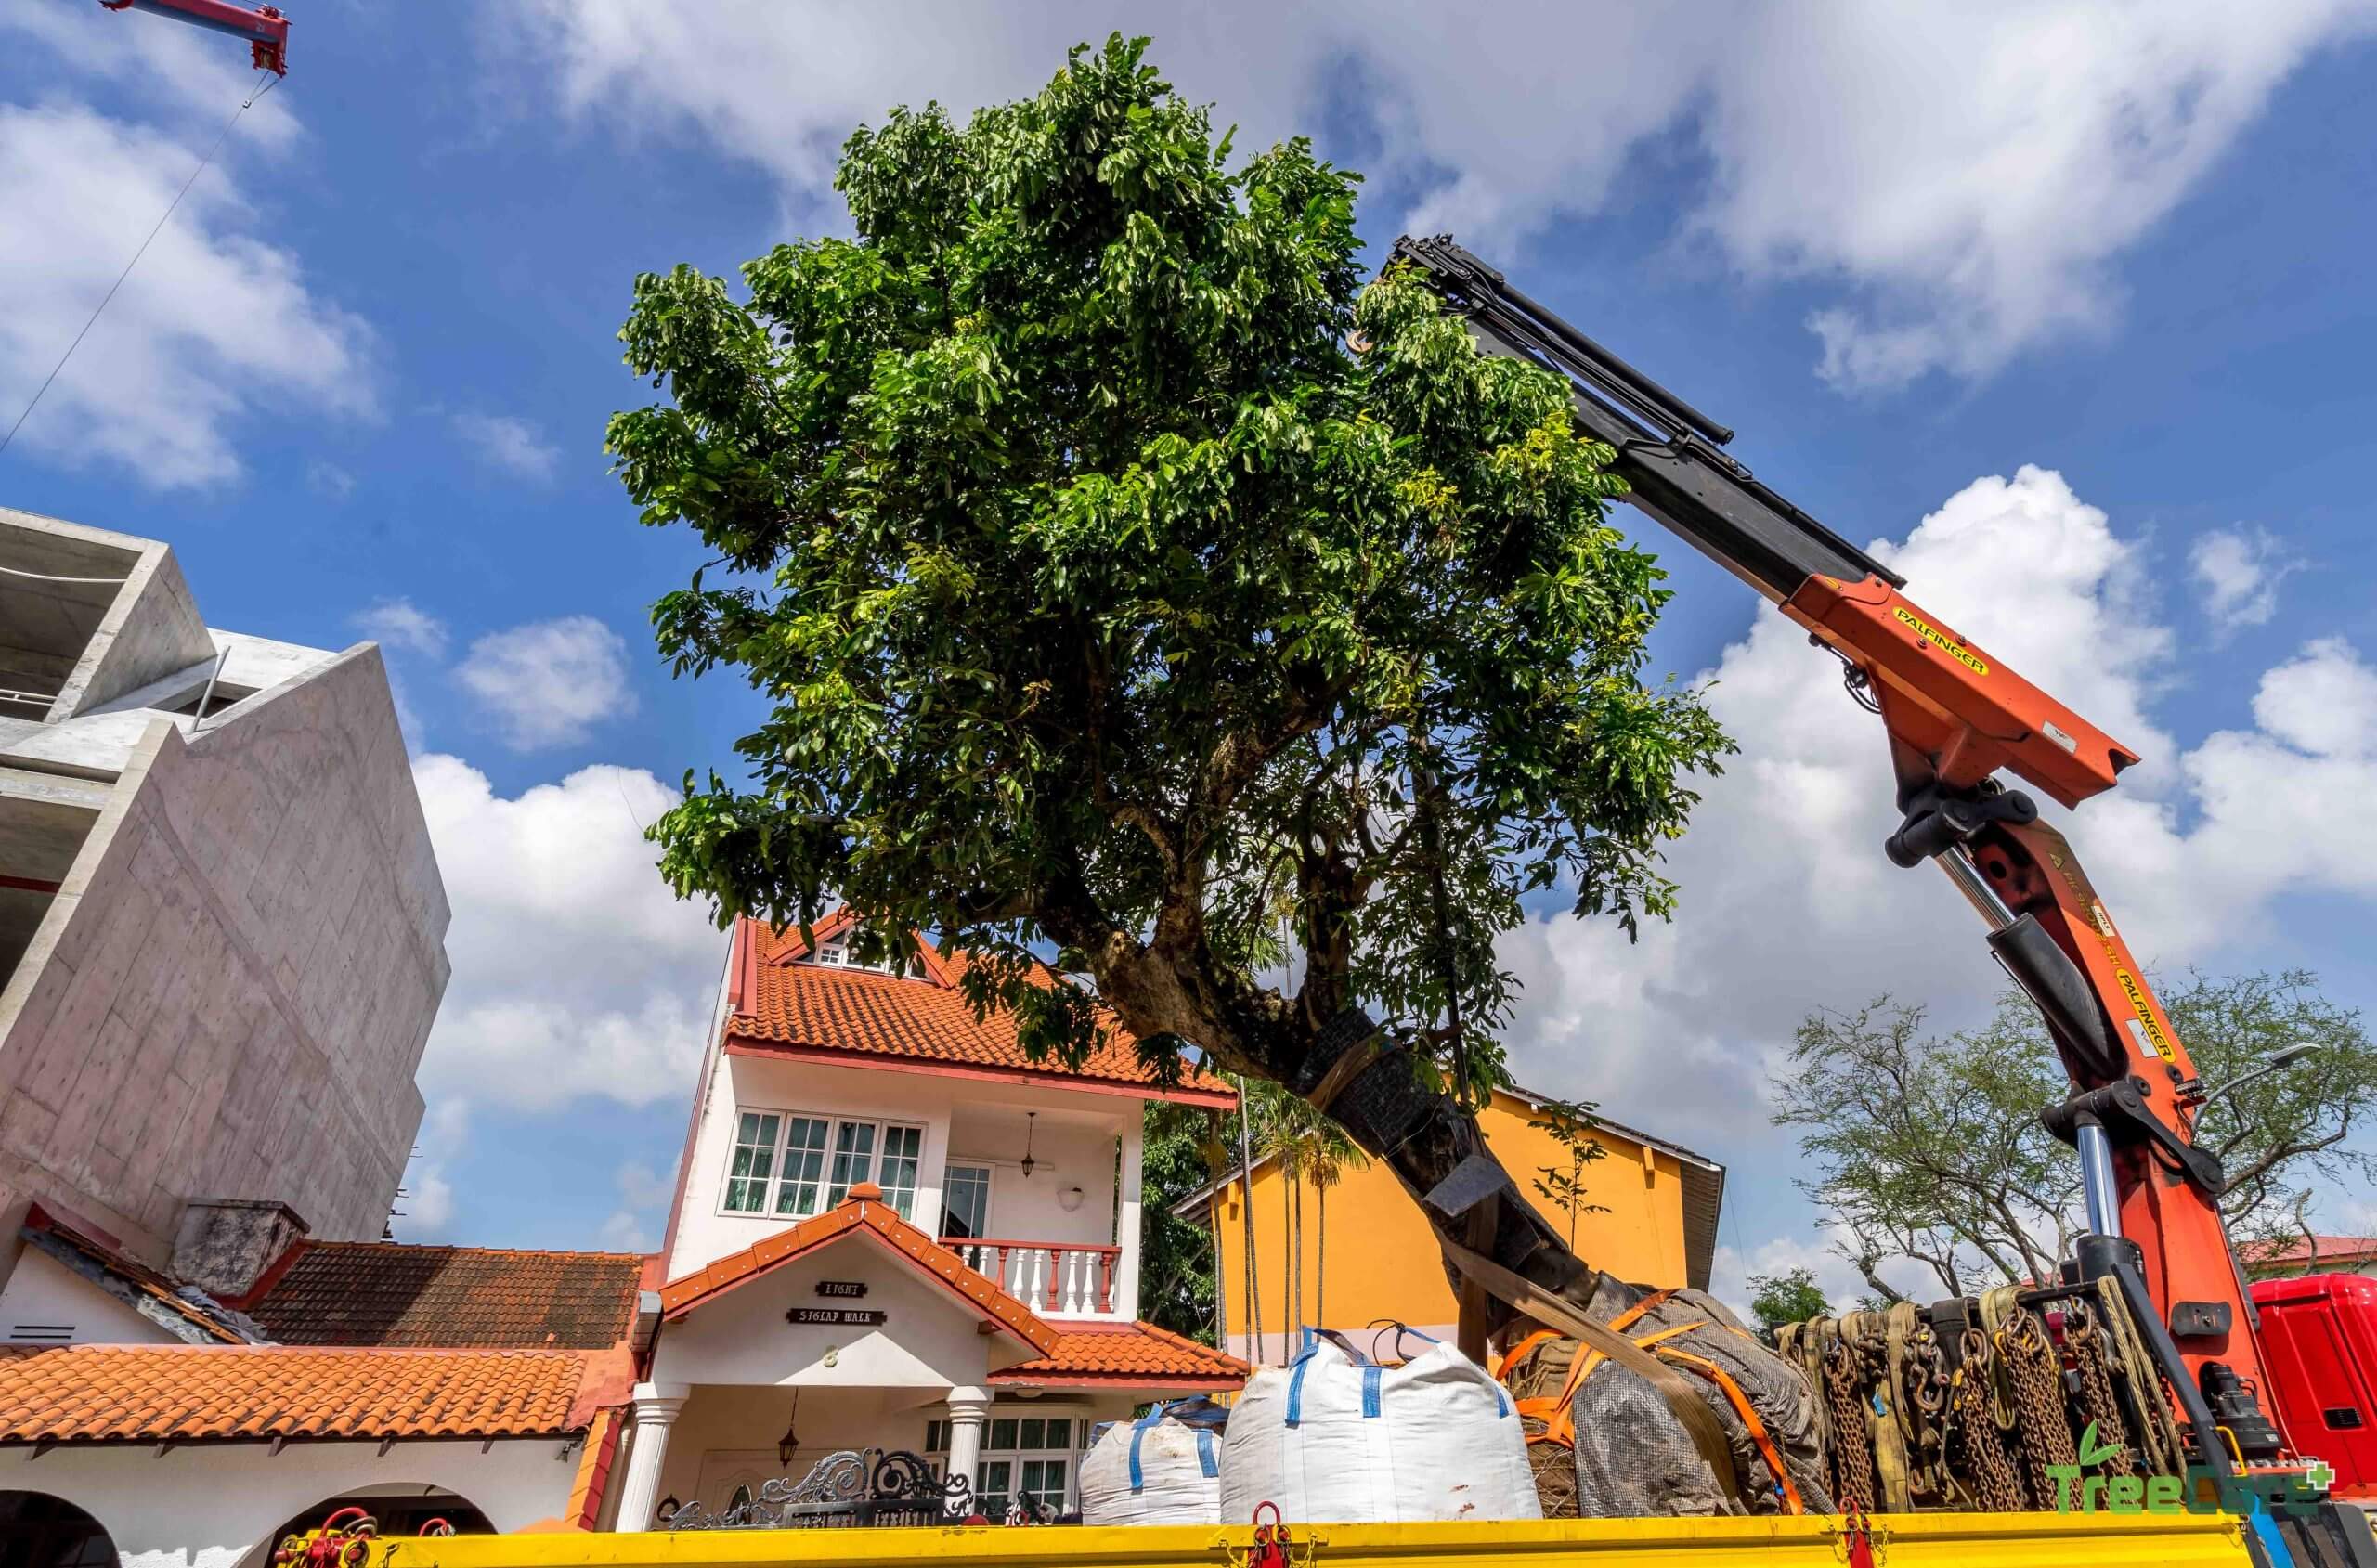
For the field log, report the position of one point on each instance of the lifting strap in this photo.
(1748, 1413)
(1701, 1423)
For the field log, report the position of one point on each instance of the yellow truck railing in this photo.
(1936, 1540)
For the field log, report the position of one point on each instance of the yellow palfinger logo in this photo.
(2149, 1033)
(1940, 640)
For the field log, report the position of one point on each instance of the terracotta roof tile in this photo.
(148, 1394)
(388, 1293)
(790, 1007)
(1138, 1354)
(862, 1210)
(2333, 1251)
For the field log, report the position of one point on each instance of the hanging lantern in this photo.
(790, 1443)
(1031, 1118)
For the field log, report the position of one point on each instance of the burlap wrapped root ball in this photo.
(1633, 1458)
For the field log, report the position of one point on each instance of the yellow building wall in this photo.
(1380, 1257)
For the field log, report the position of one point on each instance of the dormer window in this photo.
(835, 952)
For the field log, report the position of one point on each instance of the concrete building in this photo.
(221, 922)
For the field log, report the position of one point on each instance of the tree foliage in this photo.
(1929, 1149)
(1791, 1297)
(1105, 597)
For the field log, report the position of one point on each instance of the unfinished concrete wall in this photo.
(90, 615)
(231, 989)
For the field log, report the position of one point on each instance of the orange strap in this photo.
(1748, 1413)
(1563, 1423)
(1518, 1352)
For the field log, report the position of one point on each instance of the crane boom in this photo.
(263, 26)
(1955, 716)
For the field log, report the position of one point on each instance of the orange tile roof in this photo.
(390, 1293)
(786, 1008)
(863, 1214)
(155, 1393)
(2331, 1251)
(1132, 1355)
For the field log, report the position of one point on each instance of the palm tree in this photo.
(1307, 1146)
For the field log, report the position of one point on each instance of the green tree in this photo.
(1930, 1149)
(1176, 1256)
(1791, 1297)
(1122, 577)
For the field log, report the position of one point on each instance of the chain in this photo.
(2085, 1339)
(1979, 1447)
(2037, 1372)
(1853, 1455)
(1923, 1394)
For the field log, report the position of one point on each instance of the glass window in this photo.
(966, 1201)
(1044, 1484)
(903, 1150)
(853, 1159)
(804, 1163)
(754, 1154)
(1003, 1432)
(996, 1477)
(1035, 1434)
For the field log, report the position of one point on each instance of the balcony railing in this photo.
(1059, 1278)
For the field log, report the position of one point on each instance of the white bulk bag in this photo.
(1161, 1469)
(1333, 1437)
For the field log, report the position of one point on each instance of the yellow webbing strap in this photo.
(1699, 1422)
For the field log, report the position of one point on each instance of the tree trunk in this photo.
(1246, 1229)
(1292, 1312)
(1320, 1260)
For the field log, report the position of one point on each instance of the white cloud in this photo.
(513, 444)
(329, 480)
(215, 329)
(577, 974)
(2237, 572)
(432, 1203)
(401, 623)
(191, 76)
(643, 1192)
(1731, 1270)
(1960, 181)
(1789, 904)
(549, 682)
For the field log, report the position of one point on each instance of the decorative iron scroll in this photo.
(852, 1486)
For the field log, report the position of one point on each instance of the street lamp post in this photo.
(2277, 1062)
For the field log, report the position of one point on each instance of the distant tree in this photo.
(1792, 1297)
(1121, 575)
(1929, 1149)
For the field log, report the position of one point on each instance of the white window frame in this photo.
(1015, 1456)
(780, 1175)
(835, 953)
(989, 1188)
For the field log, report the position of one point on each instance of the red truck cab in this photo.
(2319, 1351)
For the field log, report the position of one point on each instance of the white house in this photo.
(892, 1230)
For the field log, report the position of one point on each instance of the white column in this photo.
(968, 1408)
(1127, 1223)
(655, 1410)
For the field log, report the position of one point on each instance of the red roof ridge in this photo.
(683, 1294)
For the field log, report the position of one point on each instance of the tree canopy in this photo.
(1929, 1149)
(1128, 581)
(1792, 1296)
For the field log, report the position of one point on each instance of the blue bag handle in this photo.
(1201, 1413)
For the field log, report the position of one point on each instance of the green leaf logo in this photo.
(2091, 1453)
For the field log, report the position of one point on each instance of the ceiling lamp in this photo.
(1031, 1118)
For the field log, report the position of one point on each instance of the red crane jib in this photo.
(263, 26)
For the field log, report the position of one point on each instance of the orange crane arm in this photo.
(1956, 716)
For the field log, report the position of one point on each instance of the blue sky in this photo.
(360, 384)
